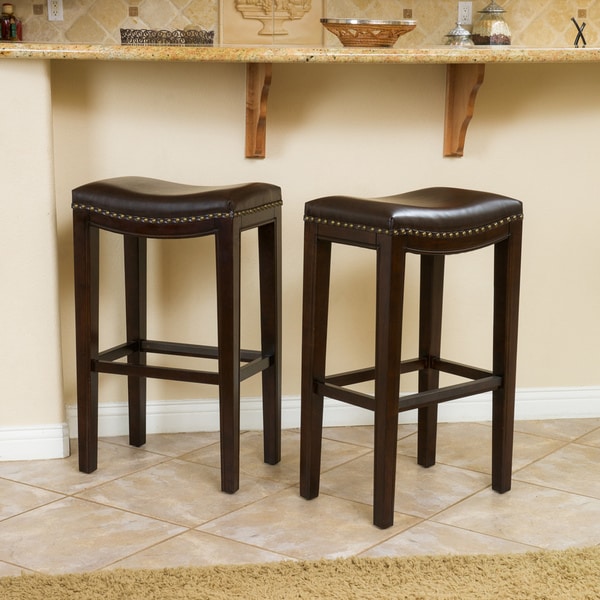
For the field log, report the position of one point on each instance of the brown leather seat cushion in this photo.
(132, 197)
(436, 210)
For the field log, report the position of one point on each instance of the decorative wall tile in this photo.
(542, 23)
(272, 22)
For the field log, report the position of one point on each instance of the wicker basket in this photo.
(179, 37)
(368, 34)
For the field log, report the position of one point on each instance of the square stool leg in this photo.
(269, 252)
(391, 260)
(136, 319)
(317, 267)
(227, 240)
(86, 252)
(430, 337)
(507, 269)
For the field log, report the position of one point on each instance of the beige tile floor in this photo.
(160, 506)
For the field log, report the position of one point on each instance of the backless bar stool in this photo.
(141, 208)
(432, 223)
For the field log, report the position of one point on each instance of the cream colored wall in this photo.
(367, 130)
(30, 362)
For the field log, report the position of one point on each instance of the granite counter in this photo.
(295, 54)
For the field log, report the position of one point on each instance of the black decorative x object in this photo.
(579, 33)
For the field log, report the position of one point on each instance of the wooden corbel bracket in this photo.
(462, 84)
(258, 81)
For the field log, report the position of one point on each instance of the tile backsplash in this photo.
(534, 23)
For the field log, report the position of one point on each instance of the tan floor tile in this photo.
(560, 429)
(172, 444)
(40, 530)
(419, 491)
(180, 492)
(325, 527)
(7, 570)
(72, 535)
(574, 468)
(63, 475)
(591, 439)
(529, 514)
(469, 446)
(288, 470)
(197, 549)
(16, 498)
(362, 435)
(429, 538)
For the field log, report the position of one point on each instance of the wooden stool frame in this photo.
(227, 232)
(386, 403)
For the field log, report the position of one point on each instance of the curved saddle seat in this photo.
(439, 212)
(431, 222)
(167, 209)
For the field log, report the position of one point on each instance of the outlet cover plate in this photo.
(465, 13)
(55, 10)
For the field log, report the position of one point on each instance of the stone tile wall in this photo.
(544, 23)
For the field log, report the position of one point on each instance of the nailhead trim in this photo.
(415, 232)
(173, 220)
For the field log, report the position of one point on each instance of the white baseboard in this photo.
(202, 415)
(34, 442)
(52, 441)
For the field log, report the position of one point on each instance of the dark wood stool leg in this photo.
(227, 241)
(507, 269)
(269, 245)
(317, 268)
(430, 337)
(388, 341)
(136, 318)
(86, 251)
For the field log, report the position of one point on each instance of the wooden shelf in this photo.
(462, 84)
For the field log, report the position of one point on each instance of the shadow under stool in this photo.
(432, 223)
(140, 208)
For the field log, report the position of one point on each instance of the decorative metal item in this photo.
(579, 37)
(179, 37)
(459, 36)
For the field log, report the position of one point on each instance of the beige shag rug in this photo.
(557, 575)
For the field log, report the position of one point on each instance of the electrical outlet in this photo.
(465, 13)
(55, 10)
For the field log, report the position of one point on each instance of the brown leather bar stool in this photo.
(432, 223)
(141, 208)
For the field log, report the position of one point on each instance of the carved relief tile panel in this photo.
(271, 22)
